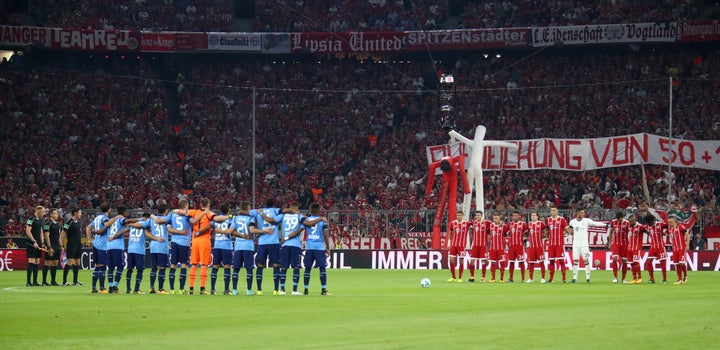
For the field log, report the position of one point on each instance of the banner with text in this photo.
(590, 154)
(389, 42)
(159, 42)
(73, 39)
(384, 259)
(605, 34)
(466, 39)
(191, 41)
(247, 42)
(438, 259)
(705, 30)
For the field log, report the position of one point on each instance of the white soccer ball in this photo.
(425, 283)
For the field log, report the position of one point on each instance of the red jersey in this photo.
(459, 231)
(535, 232)
(620, 232)
(656, 233)
(497, 236)
(677, 235)
(480, 233)
(635, 237)
(556, 226)
(517, 232)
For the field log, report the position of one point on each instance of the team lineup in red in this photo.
(539, 243)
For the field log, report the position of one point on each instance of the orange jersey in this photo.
(204, 221)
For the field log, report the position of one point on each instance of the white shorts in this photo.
(583, 252)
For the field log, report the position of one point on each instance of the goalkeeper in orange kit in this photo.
(200, 253)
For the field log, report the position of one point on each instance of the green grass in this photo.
(370, 309)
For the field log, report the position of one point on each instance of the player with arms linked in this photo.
(97, 233)
(317, 249)
(158, 249)
(293, 224)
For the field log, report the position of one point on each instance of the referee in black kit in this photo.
(34, 232)
(72, 231)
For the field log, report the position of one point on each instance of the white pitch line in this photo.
(33, 290)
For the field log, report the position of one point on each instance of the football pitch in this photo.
(370, 309)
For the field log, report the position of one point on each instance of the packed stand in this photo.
(106, 136)
(499, 14)
(348, 15)
(141, 15)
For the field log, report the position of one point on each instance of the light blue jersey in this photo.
(289, 223)
(160, 231)
(315, 238)
(136, 242)
(223, 241)
(241, 223)
(98, 223)
(118, 243)
(273, 238)
(180, 223)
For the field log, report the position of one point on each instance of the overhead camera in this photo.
(447, 99)
(447, 120)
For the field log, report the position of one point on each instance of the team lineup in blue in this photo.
(189, 240)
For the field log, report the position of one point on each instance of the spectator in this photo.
(698, 242)
(10, 244)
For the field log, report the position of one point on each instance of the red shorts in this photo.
(678, 257)
(556, 252)
(535, 254)
(659, 254)
(516, 253)
(479, 252)
(496, 255)
(634, 255)
(620, 251)
(457, 251)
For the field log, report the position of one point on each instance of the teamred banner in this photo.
(705, 30)
(95, 40)
(163, 42)
(74, 39)
(191, 41)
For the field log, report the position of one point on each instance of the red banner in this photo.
(13, 259)
(352, 42)
(706, 30)
(191, 41)
(25, 36)
(157, 42)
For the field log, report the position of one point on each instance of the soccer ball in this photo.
(425, 283)
(596, 263)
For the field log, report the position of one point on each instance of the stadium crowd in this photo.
(83, 132)
(145, 15)
(345, 15)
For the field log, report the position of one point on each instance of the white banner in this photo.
(591, 154)
(605, 34)
(235, 41)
